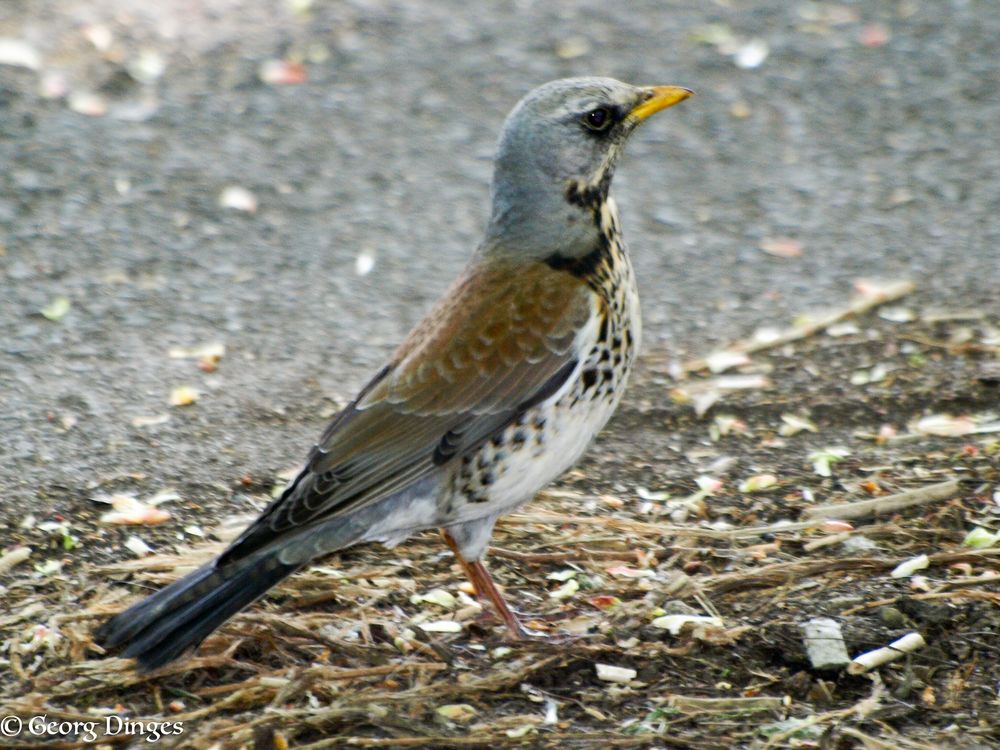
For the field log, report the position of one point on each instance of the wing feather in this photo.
(501, 337)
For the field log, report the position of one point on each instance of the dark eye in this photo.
(598, 119)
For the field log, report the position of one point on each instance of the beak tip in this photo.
(660, 97)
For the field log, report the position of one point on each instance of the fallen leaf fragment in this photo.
(208, 355)
(566, 590)
(461, 713)
(897, 314)
(792, 424)
(562, 575)
(440, 597)
(53, 85)
(752, 54)
(183, 395)
(572, 47)
(87, 103)
(980, 538)
(674, 623)
(885, 433)
(623, 571)
(758, 483)
(150, 421)
(130, 511)
(56, 309)
(137, 547)
(699, 705)
(781, 247)
(364, 262)
(944, 425)
(911, 566)
(521, 731)
(99, 35)
(49, 568)
(604, 601)
(844, 328)
(239, 199)
(823, 460)
(441, 626)
(19, 54)
(147, 67)
(282, 72)
(13, 557)
(835, 526)
(214, 349)
(874, 35)
(723, 360)
(611, 673)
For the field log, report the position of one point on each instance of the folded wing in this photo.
(500, 340)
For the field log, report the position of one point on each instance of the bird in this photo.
(492, 396)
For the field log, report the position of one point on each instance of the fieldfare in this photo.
(492, 396)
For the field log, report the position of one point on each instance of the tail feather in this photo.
(163, 626)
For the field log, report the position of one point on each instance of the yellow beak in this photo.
(660, 97)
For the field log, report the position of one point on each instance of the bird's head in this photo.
(557, 155)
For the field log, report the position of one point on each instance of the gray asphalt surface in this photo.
(881, 160)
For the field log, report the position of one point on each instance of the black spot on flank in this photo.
(520, 437)
(608, 374)
(487, 478)
(539, 422)
(589, 377)
(616, 342)
(605, 355)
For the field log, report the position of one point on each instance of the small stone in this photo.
(824, 643)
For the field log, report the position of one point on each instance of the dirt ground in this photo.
(828, 144)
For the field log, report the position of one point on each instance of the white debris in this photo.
(441, 626)
(610, 673)
(824, 643)
(13, 557)
(674, 623)
(137, 547)
(19, 54)
(239, 199)
(365, 262)
(911, 566)
(865, 662)
(752, 54)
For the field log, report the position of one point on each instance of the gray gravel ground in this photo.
(881, 161)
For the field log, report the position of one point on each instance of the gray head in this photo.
(556, 157)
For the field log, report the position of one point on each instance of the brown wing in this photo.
(498, 341)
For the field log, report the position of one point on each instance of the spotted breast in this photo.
(548, 438)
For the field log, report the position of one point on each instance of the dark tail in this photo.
(166, 624)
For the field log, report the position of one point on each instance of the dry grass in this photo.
(336, 657)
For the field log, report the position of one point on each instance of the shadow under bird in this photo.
(497, 391)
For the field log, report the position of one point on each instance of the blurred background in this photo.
(298, 180)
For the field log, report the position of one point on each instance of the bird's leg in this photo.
(484, 586)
